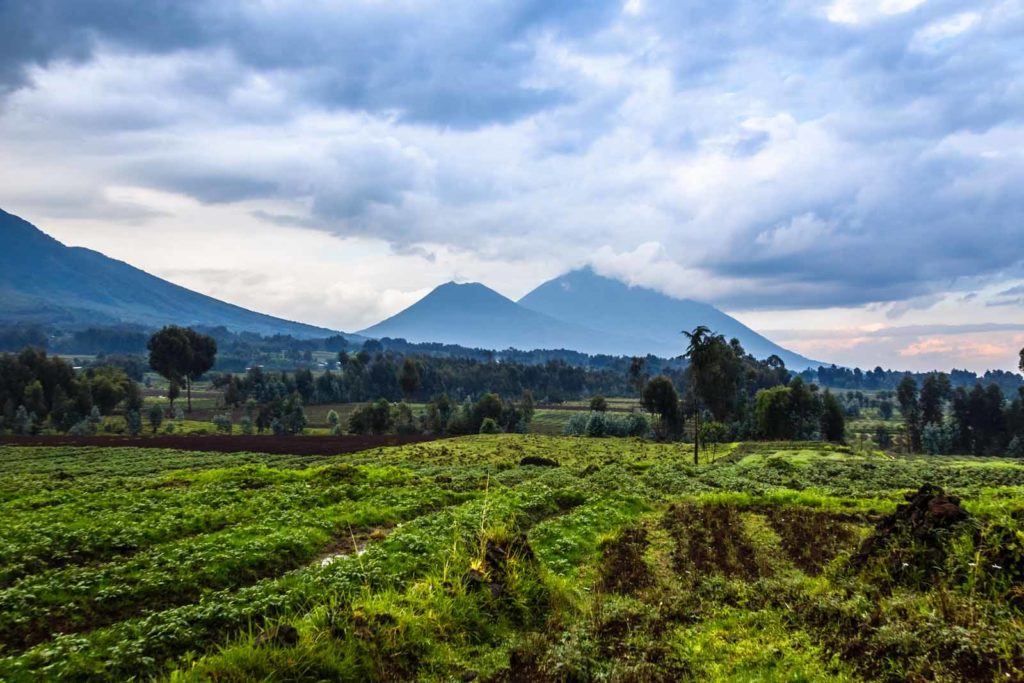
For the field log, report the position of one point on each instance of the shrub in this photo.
(936, 439)
(489, 426)
(222, 422)
(637, 425)
(133, 422)
(1016, 447)
(82, 428)
(24, 421)
(598, 404)
(246, 425)
(155, 417)
(597, 426)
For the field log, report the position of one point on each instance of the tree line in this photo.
(941, 418)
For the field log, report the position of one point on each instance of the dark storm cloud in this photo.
(460, 64)
(842, 152)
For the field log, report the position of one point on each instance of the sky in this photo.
(845, 176)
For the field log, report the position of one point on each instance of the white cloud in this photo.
(866, 11)
(935, 35)
(765, 156)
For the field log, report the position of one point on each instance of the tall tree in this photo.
(696, 352)
(934, 391)
(833, 420)
(409, 377)
(181, 355)
(906, 396)
(637, 376)
(660, 396)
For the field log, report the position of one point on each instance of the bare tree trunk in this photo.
(696, 436)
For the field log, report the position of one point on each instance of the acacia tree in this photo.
(181, 355)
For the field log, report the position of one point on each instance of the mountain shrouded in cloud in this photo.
(474, 315)
(44, 282)
(586, 298)
(581, 311)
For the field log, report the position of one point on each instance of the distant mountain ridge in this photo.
(42, 281)
(604, 304)
(475, 315)
(581, 311)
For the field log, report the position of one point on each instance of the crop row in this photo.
(138, 646)
(79, 597)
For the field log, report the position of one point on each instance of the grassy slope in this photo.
(626, 562)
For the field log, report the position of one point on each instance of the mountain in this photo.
(43, 281)
(583, 297)
(476, 316)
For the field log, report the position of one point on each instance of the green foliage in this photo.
(222, 422)
(451, 560)
(180, 354)
(489, 426)
(133, 422)
(155, 416)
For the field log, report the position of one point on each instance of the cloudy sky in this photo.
(846, 176)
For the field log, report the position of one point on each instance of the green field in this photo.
(452, 560)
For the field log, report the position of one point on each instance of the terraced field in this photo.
(510, 558)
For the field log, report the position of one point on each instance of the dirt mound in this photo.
(623, 569)
(538, 461)
(911, 543)
(710, 538)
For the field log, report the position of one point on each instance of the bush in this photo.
(597, 425)
(489, 426)
(155, 417)
(245, 424)
(598, 404)
(1016, 447)
(372, 418)
(133, 422)
(936, 439)
(24, 421)
(222, 422)
(637, 425)
(82, 428)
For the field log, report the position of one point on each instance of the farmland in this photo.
(478, 558)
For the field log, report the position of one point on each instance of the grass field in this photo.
(459, 560)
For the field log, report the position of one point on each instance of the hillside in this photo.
(586, 298)
(474, 315)
(43, 281)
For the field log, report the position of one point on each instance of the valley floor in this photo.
(510, 558)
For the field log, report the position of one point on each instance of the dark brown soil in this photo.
(623, 569)
(710, 538)
(811, 538)
(223, 443)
